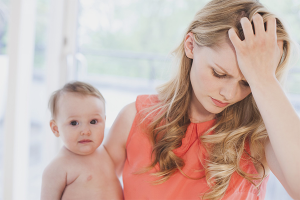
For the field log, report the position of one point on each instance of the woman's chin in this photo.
(215, 109)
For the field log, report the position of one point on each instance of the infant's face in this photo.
(80, 122)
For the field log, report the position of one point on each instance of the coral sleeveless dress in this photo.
(140, 186)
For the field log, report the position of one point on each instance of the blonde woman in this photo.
(217, 129)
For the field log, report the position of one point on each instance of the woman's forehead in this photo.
(223, 58)
(223, 54)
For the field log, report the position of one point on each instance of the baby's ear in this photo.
(54, 128)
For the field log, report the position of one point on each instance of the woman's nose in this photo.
(228, 91)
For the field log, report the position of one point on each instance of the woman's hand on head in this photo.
(259, 54)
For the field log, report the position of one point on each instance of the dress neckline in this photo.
(209, 121)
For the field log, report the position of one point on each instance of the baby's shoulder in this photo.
(56, 168)
(60, 162)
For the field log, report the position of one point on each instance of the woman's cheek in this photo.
(206, 81)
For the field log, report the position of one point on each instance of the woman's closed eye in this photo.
(218, 75)
(245, 83)
(94, 121)
(74, 123)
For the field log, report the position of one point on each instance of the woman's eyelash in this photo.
(223, 76)
(218, 75)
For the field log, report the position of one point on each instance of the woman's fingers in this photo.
(257, 55)
(261, 36)
(258, 25)
(234, 38)
(271, 26)
(247, 28)
(280, 45)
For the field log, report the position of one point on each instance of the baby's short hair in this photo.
(77, 87)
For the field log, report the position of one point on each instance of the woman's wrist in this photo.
(264, 84)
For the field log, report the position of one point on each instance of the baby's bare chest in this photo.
(87, 181)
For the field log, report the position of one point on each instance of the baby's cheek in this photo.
(99, 132)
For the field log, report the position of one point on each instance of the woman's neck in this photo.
(197, 112)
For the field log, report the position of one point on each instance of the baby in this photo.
(81, 170)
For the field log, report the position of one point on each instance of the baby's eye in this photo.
(94, 121)
(74, 123)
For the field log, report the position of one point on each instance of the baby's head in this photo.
(78, 117)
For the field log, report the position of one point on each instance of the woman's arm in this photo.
(258, 56)
(115, 142)
(283, 127)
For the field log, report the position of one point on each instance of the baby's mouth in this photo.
(84, 141)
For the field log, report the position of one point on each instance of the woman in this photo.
(223, 122)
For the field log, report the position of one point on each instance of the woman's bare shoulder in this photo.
(126, 117)
(115, 141)
(122, 124)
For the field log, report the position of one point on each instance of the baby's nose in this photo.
(86, 131)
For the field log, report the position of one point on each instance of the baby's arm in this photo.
(54, 181)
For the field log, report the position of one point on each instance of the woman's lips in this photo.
(84, 141)
(219, 103)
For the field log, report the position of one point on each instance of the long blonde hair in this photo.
(236, 124)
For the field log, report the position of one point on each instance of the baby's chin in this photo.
(84, 150)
